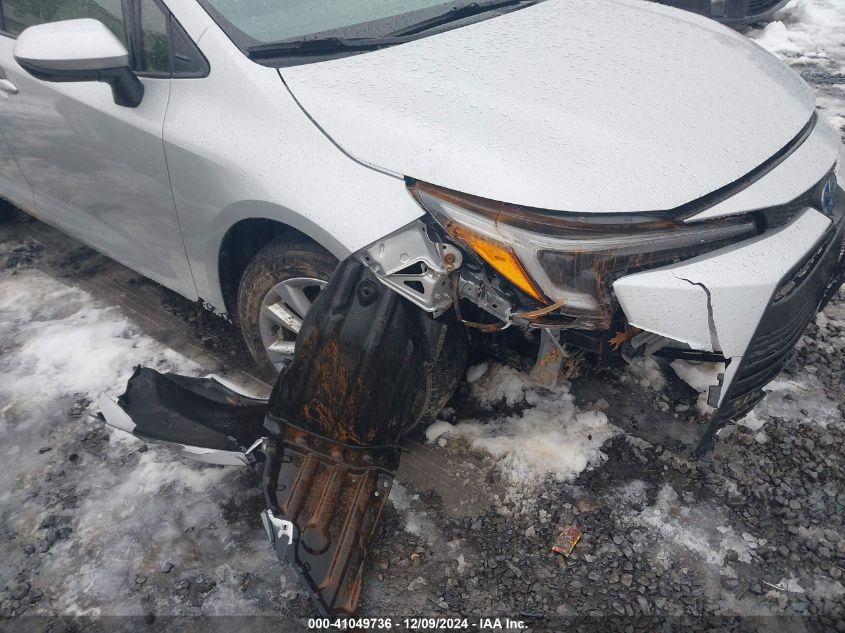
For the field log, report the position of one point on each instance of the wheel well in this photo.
(240, 244)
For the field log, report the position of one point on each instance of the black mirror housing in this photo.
(127, 90)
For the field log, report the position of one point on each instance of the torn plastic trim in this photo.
(117, 418)
(207, 420)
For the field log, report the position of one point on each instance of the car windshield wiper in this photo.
(459, 13)
(321, 46)
(330, 45)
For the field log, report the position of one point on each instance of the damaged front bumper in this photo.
(741, 294)
(749, 304)
(328, 434)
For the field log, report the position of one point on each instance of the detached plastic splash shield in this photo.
(358, 380)
(328, 497)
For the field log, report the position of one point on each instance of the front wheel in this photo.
(275, 293)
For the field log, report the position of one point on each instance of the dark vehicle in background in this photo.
(732, 12)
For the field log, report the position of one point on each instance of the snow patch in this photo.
(646, 372)
(804, 28)
(699, 376)
(809, 33)
(66, 341)
(477, 371)
(550, 436)
(695, 529)
(499, 383)
(144, 502)
(752, 421)
(436, 430)
(416, 523)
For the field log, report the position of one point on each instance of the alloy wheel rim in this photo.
(282, 311)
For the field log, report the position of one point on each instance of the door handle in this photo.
(7, 85)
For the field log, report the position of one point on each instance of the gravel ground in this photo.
(97, 524)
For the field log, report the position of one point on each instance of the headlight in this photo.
(554, 256)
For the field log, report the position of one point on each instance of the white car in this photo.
(617, 176)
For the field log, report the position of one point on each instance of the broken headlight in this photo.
(556, 256)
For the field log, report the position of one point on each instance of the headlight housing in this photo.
(553, 256)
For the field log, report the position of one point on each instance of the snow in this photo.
(751, 421)
(699, 376)
(647, 373)
(808, 33)
(68, 343)
(436, 430)
(416, 522)
(696, 529)
(145, 505)
(499, 383)
(806, 29)
(477, 371)
(548, 436)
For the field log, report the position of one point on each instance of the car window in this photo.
(154, 53)
(20, 14)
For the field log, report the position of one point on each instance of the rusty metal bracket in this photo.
(549, 360)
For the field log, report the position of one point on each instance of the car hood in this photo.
(600, 106)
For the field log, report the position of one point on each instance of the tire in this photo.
(446, 373)
(7, 211)
(285, 258)
(293, 257)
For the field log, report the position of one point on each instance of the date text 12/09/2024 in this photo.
(457, 624)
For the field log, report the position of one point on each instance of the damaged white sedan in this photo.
(616, 177)
(573, 171)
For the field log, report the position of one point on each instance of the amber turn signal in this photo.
(502, 259)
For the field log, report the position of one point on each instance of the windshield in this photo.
(313, 27)
(276, 20)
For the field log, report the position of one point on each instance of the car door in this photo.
(98, 169)
(13, 185)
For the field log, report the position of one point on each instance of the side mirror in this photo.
(79, 50)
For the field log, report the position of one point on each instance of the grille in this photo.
(784, 214)
(771, 351)
(785, 320)
(755, 7)
(768, 355)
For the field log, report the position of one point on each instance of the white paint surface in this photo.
(740, 280)
(596, 107)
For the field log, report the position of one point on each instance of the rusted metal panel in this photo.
(333, 494)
